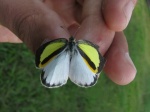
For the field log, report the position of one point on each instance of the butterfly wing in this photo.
(86, 64)
(53, 58)
(46, 52)
(55, 74)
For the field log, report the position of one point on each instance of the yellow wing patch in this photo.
(95, 71)
(91, 52)
(50, 49)
(43, 65)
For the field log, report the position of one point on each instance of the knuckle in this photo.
(24, 24)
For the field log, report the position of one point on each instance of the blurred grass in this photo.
(21, 91)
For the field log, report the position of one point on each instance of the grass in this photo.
(20, 90)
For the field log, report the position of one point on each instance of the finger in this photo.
(117, 13)
(119, 66)
(31, 21)
(93, 27)
(7, 36)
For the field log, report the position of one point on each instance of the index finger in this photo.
(93, 27)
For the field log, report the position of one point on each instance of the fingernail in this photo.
(128, 58)
(128, 9)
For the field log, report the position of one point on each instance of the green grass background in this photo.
(21, 91)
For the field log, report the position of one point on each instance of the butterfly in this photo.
(61, 59)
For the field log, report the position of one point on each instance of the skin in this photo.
(100, 21)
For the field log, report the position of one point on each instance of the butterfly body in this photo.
(61, 59)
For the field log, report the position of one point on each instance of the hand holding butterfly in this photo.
(33, 21)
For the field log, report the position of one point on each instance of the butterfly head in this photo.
(72, 39)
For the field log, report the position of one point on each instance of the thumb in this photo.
(31, 21)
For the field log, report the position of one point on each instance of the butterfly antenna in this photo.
(76, 31)
(65, 29)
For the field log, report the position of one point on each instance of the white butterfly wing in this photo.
(55, 74)
(80, 73)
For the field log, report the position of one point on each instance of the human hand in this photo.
(34, 21)
(7, 36)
